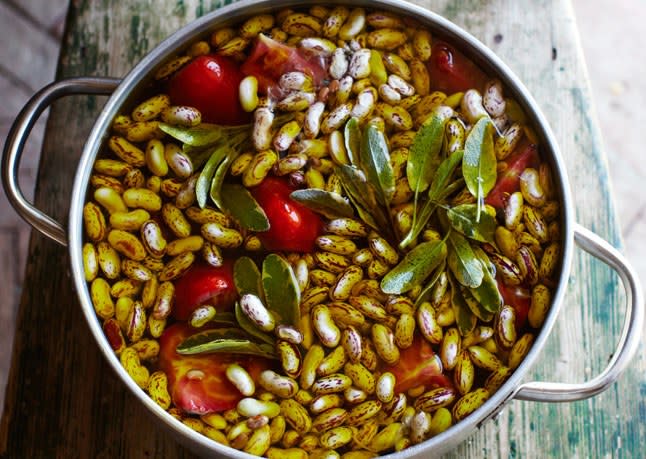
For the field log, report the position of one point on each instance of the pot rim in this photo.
(473, 48)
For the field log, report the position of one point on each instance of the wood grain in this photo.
(63, 401)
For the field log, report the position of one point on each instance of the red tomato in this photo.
(418, 365)
(210, 84)
(270, 59)
(204, 284)
(519, 298)
(509, 181)
(206, 392)
(293, 227)
(451, 71)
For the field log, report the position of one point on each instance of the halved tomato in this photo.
(509, 181)
(269, 59)
(202, 284)
(418, 365)
(198, 384)
(451, 71)
(519, 298)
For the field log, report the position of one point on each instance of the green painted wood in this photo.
(62, 400)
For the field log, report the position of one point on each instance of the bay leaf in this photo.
(472, 222)
(352, 139)
(479, 163)
(203, 183)
(224, 340)
(424, 155)
(282, 294)
(375, 163)
(247, 325)
(197, 136)
(247, 277)
(464, 264)
(326, 203)
(415, 267)
(464, 318)
(238, 202)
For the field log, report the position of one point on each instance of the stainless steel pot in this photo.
(124, 94)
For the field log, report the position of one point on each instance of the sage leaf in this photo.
(247, 325)
(375, 162)
(197, 136)
(218, 180)
(475, 306)
(223, 340)
(464, 318)
(425, 294)
(487, 293)
(464, 264)
(247, 277)
(224, 319)
(440, 188)
(474, 224)
(352, 139)
(326, 203)
(282, 294)
(203, 183)
(479, 162)
(415, 267)
(424, 156)
(238, 202)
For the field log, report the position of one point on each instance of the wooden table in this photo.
(63, 400)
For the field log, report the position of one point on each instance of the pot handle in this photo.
(18, 135)
(630, 334)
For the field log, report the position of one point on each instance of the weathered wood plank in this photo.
(19, 61)
(60, 377)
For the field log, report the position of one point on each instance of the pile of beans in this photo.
(331, 393)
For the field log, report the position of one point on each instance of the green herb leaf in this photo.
(218, 180)
(479, 163)
(487, 293)
(326, 203)
(229, 340)
(204, 180)
(440, 188)
(466, 219)
(424, 156)
(363, 197)
(198, 136)
(415, 267)
(375, 162)
(224, 319)
(475, 306)
(282, 294)
(464, 264)
(238, 202)
(352, 138)
(247, 278)
(425, 294)
(464, 318)
(247, 325)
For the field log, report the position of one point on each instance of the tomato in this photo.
(418, 365)
(202, 284)
(270, 59)
(509, 181)
(293, 227)
(450, 71)
(519, 298)
(210, 84)
(206, 392)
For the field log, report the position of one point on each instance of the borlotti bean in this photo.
(321, 347)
